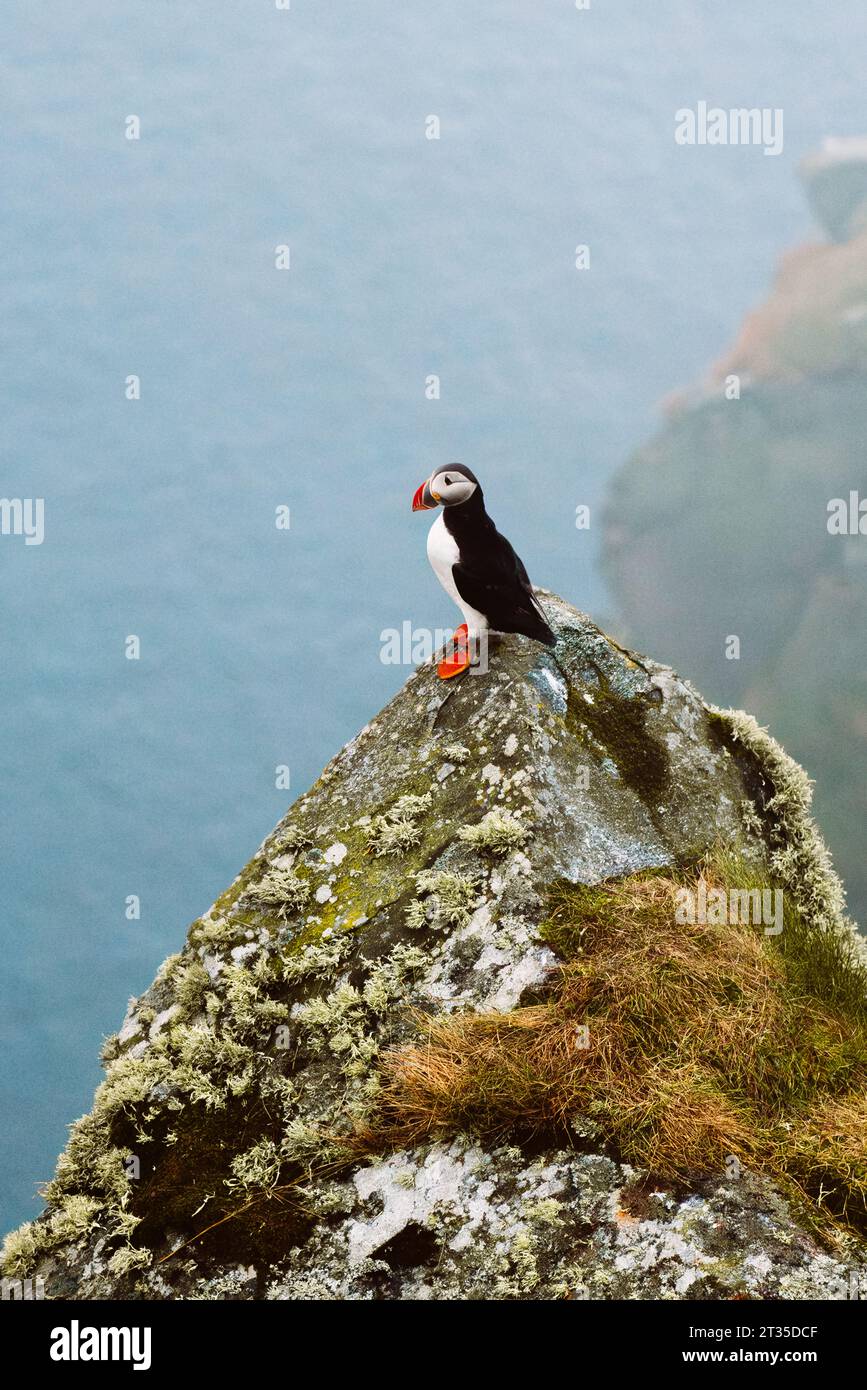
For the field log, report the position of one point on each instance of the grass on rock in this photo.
(686, 1044)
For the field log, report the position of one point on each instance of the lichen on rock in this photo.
(227, 1152)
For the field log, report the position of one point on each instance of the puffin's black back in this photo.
(489, 575)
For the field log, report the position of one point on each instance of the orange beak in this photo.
(424, 500)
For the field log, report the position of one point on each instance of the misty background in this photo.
(306, 388)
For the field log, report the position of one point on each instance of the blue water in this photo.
(259, 387)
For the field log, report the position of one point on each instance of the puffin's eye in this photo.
(447, 481)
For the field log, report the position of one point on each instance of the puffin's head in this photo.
(446, 487)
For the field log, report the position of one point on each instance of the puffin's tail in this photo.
(538, 626)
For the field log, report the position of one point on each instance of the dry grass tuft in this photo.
(685, 1043)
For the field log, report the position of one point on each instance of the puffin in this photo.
(476, 566)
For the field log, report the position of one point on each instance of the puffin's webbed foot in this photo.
(458, 655)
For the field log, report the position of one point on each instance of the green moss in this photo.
(340, 1023)
(248, 875)
(619, 723)
(212, 1178)
(572, 907)
(819, 957)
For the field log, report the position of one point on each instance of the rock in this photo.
(457, 1223)
(218, 1160)
(836, 181)
(718, 526)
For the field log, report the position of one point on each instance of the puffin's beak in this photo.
(424, 500)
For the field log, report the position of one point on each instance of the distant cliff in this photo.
(719, 526)
(488, 1016)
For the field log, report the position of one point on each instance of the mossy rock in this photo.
(224, 1155)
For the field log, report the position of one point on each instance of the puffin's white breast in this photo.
(443, 553)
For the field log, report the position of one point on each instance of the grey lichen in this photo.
(342, 1024)
(191, 986)
(257, 1168)
(22, 1249)
(799, 857)
(283, 889)
(751, 819)
(316, 960)
(397, 829)
(290, 839)
(450, 899)
(498, 832)
(168, 968)
(128, 1258)
(72, 1219)
(276, 1020)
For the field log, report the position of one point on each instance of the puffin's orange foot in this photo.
(458, 658)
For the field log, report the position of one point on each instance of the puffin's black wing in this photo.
(500, 588)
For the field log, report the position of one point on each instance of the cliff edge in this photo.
(720, 523)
